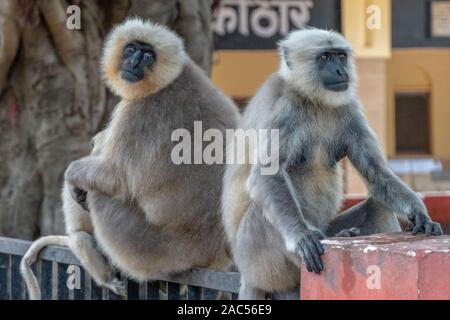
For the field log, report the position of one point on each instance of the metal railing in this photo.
(53, 273)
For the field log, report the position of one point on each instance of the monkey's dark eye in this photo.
(148, 57)
(342, 56)
(130, 50)
(324, 56)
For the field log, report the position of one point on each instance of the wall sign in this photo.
(440, 19)
(412, 27)
(259, 24)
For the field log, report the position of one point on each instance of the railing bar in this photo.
(87, 285)
(46, 280)
(96, 291)
(132, 290)
(173, 291)
(194, 293)
(38, 273)
(63, 290)
(210, 279)
(105, 294)
(79, 293)
(142, 291)
(4, 266)
(59, 254)
(14, 246)
(54, 280)
(52, 253)
(9, 278)
(209, 294)
(16, 278)
(163, 290)
(152, 290)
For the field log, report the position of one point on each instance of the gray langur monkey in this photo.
(274, 222)
(79, 239)
(128, 199)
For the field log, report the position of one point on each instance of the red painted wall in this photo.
(384, 266)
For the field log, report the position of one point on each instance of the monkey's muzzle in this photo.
(132, 76)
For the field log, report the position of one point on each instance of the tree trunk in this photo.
(52, 99)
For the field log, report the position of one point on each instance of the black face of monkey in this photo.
(332, 65)
(136, 57)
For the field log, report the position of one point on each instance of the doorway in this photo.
(412, 123)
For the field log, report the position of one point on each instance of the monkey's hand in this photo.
(310, 249)
(422, 223)
(117, 286)
(79, 196)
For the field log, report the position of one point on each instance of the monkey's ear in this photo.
(285, 54)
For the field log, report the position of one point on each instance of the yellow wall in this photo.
(422, 70)
(367, 42)
(239, 73)
(372, 89)
(372, 47)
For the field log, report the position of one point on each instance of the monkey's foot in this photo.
(117, 286)
(347, 233)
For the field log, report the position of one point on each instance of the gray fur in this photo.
(148, 216)
(151, 216)
(285, 215)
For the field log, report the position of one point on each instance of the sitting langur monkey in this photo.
(149, 216)
(276, 221)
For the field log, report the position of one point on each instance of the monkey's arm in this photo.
(364, 152)
(92, 174)
(276, 195)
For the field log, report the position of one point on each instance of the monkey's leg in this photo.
(369, 217)
(248, 292)
(84, 247)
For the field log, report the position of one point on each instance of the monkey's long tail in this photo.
(31, 256)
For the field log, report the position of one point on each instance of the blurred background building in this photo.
(402, 48)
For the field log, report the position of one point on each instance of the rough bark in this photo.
(52, 99)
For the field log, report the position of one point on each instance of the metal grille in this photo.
(52, 273)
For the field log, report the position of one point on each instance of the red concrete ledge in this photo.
(384, 266)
